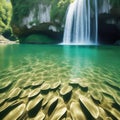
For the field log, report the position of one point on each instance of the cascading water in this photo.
(78, 23)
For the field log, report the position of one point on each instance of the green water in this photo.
(62, 61)
(95, 67)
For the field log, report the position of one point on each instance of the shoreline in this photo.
(5, 41)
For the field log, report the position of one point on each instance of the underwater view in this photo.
(56, 82)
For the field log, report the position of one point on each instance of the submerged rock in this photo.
(5, 86)
(37, 84)
(114, 112)
(51, 105)
(96, 95)
(45, 87)
(25, 93)
(14, 93)
(90, 106)
(76, 111)
(55, 85)
(59, 113)
(34, 105)
(15, 113)
(117, 100)
(40, 116)
(66, 90)
(34, 93)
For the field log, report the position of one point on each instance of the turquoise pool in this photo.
(87, 77)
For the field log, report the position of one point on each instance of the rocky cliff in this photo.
(44, 17)
(109, 21)
(47, 18)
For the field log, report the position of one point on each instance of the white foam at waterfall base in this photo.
(78, 23)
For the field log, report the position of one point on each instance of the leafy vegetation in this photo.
(5, 19)
(59, 9)
(5, 15)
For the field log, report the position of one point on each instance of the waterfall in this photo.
(78, 23)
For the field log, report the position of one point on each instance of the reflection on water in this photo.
(96, 70)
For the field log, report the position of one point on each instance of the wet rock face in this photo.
(109, 30)
(48, 18)
(42, 17)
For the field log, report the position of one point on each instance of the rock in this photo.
(15, 113)
(14, 94)
(115, 11)
(112, 111)
(25, 93)
(47, 20)
(5, 106)
(66, 90)
(83, 85)
(117, 100)
(90, 106)
(34, 105)
(51, 105)
(4, 40)
(76, 111)
(113, 84)
(103, 113)
(74, 82)
(26, 85)
(96, 95)
(68, 118)
(5, 86)
(45, 87)
(48, 97)
(37, 84)
(55, 85)
(108, 118)
(34, 93)
(59, 113)
(8, 106)
(2, 101)
(108, 29)
(40, 116)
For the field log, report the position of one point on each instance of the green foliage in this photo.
(5, 15)
(59, 9)
(5, 19)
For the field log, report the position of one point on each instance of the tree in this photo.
(5, 15)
